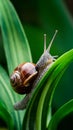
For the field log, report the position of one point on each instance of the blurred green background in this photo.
(45, 16)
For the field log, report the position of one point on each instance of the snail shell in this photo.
(22, 77)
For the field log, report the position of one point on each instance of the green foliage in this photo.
(40, 103)
(61, 113)
(37, 115)
(13, 36)
(14, 42)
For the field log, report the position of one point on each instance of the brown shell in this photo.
(23, 77)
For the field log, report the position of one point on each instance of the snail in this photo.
(26, 76)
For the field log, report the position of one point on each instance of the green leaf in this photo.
(5, 115)
(8, 98)
(40, 104)
(63, 111)
(15, 42)
(57, 15)
(17, 51)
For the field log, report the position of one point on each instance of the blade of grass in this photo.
(41, 100)
(15, 42)
(63, 111)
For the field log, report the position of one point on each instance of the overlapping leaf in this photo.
(5, 115)
(8, 98)
(40, 104)
(63, 111)
(15, 41)
(17, 51)
(57, 15)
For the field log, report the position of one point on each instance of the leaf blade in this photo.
(8, 97)
(15, 42)
(63, 111)
(42, 97)
(5, 115)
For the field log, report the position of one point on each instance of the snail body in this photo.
(27, 75)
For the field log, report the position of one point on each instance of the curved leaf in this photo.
(5, 115)
(8, 97)
(63, 111)
(56, 15)
(15, 41)
(40, 103)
